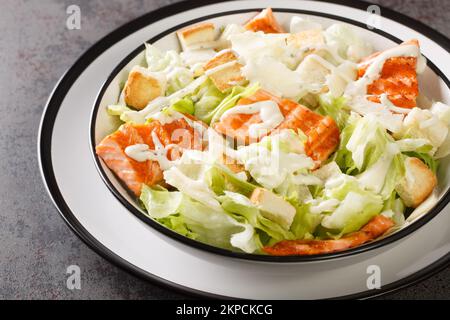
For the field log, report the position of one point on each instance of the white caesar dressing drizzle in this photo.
(142, 152)
(269, 113)
(329, 49)
(196, 189)
(356, 92)
(158, 104)
(372, 73)
(196, 125)
(386, 102)
(138, 152)
(166, 118)
(391, 121)
(218, 146)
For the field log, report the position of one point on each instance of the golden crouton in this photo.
(306, 43)
(313, 71)
(265, 21)
(308, 38)
(418, 183)
(203, 32)
(142, 87)
(273, 207)
(227, 77)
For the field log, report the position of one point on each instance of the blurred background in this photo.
(36, 246)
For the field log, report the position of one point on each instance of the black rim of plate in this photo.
(68, 79)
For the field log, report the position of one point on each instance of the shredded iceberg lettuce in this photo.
(207, 98)
(198, 221)
(184, 105)
(355, 211)
(270, 163)
(221, 180)
(335, 108)
(232, 99)
(117, 109)
(369, 151)
(425, 124)
(305, 221)
(240, 205)
(357, 205)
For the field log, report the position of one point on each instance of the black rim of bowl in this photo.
(56, 99)
(202, 246)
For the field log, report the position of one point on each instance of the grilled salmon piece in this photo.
(322, 132)
(323, 139)
(398, 79)
(236, 126)
(265, 21)
(372, 230)
(133, 173)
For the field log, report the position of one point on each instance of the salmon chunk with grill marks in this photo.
(322, 132)
(372, 230)
(398, 79)
(134, 173)
(265, 21)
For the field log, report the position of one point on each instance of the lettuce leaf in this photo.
(356, 207)
(207, 98)
(394, 208)
(177, 223)
(117, 109)
(220, 179)
(185, 105)
(343, 157)
(196, 220)
(240, 205)
(305, 222)
(231, 100)
(293, 191)
(432, 163)
(335, 108)
(270, 161)
(355, 210)
(160, 203)
(217, 227)
(158, 61)
(368, 151)
(178, 78)
(171, 65)
(426, 124)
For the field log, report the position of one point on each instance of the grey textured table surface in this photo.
(35, 244)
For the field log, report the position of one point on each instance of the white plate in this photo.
(109, 228)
